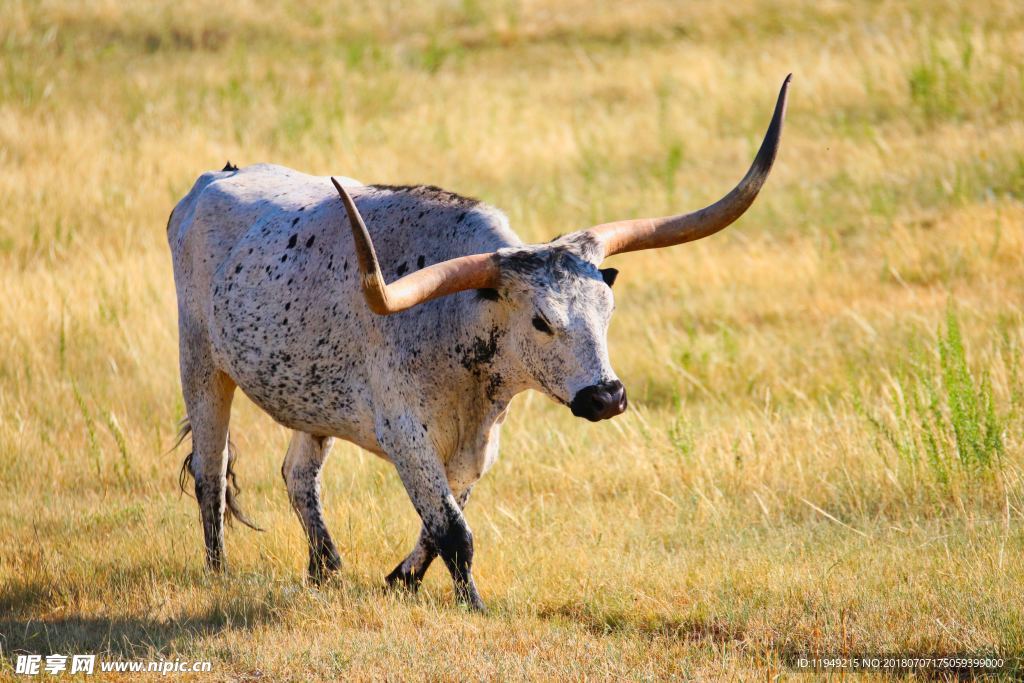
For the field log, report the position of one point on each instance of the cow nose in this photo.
(600, 401)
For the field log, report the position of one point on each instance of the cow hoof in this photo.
(317, 579)
(469, 599)
(216, 567)
(406, 581)
(474, 604)
(323, 567)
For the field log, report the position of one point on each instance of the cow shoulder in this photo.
(414, 226)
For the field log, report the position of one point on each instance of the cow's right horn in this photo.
(476, 271)
(653, 233)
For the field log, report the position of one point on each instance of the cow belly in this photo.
(293, 361)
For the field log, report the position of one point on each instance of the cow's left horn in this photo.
(651, 233)
(476, 271)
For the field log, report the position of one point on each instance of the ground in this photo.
(823, 451)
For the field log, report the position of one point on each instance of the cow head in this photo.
(560, 302)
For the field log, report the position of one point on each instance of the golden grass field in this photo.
(824, 447)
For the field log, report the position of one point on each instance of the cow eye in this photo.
(542, 325)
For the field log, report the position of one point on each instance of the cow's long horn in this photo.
(652, 233)
(476, 271)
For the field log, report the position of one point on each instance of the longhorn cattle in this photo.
(278, 298)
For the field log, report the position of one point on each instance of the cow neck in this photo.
(483, 348)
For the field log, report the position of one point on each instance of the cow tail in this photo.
(231, 495)
(232, 489)
(184, 429)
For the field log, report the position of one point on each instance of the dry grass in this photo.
(796, 471)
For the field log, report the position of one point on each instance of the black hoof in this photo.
(471, 601)
(215, 563)
(400, 580)
(322, 566)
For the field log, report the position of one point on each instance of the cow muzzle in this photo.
(600, 401)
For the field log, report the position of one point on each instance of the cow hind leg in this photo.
(208, 402)
(302, 468)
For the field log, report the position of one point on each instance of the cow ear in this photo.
(609, 275)
(488, 293)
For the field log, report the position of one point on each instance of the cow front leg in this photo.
(302, 468)
(410, 572)
(425, 481)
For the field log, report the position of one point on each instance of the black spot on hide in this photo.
(488, 293)
(493, 384)
(482, 352)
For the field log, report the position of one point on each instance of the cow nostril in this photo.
(600, 401)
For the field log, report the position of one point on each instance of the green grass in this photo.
(943, 420)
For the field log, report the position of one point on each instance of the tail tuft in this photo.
(184, 429)
(232, 489)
